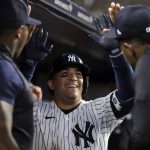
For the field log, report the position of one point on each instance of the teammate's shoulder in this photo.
(104, 97)
(8, 72)
(5, 65)
(102, 100)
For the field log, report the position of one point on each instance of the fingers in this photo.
(106, 30)
(98, 25)
(36, 92)
(50, 48)
(95, 39)
(115, 6)
(39, 41)
(39, 35)
(104, 24)
(113, 10)
(44, 38)
(31, 29)
(106, 21)
(29, 9)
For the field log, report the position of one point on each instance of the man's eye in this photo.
(79, 74)
(64, 74)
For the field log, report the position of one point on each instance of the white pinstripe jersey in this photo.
(88, 127)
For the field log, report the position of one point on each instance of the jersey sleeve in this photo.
(35, 113)
(105, 114)
(10, 82)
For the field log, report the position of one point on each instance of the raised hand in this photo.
(35, 51)
(103, 24)
(36, 92)
(37, 48)
(113, 10)
(105, 40)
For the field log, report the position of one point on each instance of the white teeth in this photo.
(72, 85)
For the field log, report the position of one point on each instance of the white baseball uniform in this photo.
(87, 127)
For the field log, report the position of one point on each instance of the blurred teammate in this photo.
(68, 122)
(120, 135)
(16, 100)
(132, 29)
(36, 49)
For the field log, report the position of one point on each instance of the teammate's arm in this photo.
(9, 86)
(122, 100)
(35, 51)
(36, 92)
(32, 54)
(7, 141)
(113, 10)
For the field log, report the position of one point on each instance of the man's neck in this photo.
(65, 106)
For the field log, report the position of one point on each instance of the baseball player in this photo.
(16, 100)
(132, 24)
(70, 123)
(34, 51)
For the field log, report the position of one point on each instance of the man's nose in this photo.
(72, 76)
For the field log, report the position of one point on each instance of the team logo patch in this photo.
(147, 29)
(85, 135)
(71, 58)
(118, 32)
(116, 103)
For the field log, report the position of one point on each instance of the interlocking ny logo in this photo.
(86, 136)
(71, 58)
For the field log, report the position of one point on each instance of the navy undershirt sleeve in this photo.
(124, 77)
(124, 82)
(27, 70)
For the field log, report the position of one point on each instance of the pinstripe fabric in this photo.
(87, 127)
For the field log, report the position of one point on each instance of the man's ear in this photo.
(127, 46)
(129, 50)
(50, 84)
(19, 32)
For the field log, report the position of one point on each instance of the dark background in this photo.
(69, 33)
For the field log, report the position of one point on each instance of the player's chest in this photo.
(68, 133)
(67, 122)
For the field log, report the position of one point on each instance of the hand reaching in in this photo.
(105, 41)
(37, 48)
(113, 10)
(36, 92)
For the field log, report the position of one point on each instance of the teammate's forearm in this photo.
(124, 81)
(7, 142)
(28, 70)
(124, 77)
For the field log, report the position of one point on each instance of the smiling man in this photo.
(16, 100)
(68, 122)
